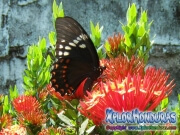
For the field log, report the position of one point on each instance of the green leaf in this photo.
(6, 105)
(54, 102)
(83, 127)
(88, 131)
(107, 46)
(30, 92)
(131, 14)
(164, 103)
(125, 29)
(168, 132)
(27, 72)
(13, 92)
(95, 34)
(92, 28)
(143, 18)
(132, 29)
(75, 102)
(52, 38)
(141, 31)
(127, 40)
(48, 61)
(52, 132)
(42, 45)
(60, 10)
(65, 119)
(40, 77)
(57, 11)
(72, 114)
(139, 44)
(52, 121)
(27, 81)
(100, 52)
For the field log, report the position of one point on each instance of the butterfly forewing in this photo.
(76, 56)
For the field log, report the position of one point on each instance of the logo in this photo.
(137, 120)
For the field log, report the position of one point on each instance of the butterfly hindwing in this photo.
(76, 55)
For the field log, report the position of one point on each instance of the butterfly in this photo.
(77, 59)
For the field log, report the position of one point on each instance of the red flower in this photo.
(121, 66)
(43, 94)
(135, 91)
(6, 120)
(14, 130)
(29, 110)
(113, 45)
(115, 40)
(25, 104)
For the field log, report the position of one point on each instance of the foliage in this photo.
(40, 110)
(135, 41)
(57, 10)
(37, 74)
(96, 38)
(136, 34)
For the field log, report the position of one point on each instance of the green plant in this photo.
(57, 10)
(96, 38)
(135, 41)
(136, 34)
(37, 74)
(7, 112)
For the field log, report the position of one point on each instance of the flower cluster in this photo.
(28, 109)
(14, 130)
(114, 46)
(126, 90)
(6, 120)
(121, 66)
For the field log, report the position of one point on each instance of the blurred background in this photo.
(22, 22)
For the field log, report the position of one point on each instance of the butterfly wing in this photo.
(76, 55)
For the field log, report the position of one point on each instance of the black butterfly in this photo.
(77, 58)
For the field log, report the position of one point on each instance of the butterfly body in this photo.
(76, 56)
